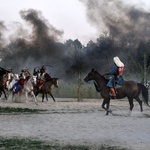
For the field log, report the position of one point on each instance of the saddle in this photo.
(40, 84)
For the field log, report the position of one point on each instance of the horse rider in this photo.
(25, 74)
(8, 77)
(23, 78)
(42, 76)
(117, 72)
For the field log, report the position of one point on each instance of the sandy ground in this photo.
(70, 122)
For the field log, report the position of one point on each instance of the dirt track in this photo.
(71, 122)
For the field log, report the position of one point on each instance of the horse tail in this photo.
(96, 87)
(145, 94)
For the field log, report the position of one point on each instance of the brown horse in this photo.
(2, 87)
(47, 88)
(130, 89)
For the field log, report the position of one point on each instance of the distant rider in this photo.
(42, 76)
(23, 78)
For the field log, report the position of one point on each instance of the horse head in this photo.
(55, 82)
(3, 71)
(34, 79)
(91, 75)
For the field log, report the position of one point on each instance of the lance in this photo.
(42, 66)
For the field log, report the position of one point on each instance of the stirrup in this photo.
(113, 97)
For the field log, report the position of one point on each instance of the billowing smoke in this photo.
(122, 29)
(2, 29)
(118, 19)
(41, 47)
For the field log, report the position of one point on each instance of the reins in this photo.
(97, 87)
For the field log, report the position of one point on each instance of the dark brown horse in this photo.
(130, 89)
(47, 88)
(2, 88)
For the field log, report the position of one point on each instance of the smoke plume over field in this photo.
(122, 29)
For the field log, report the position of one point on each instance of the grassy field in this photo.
(11, 110)
(28, 144)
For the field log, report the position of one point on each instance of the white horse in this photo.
(9, 84)
(28, 88)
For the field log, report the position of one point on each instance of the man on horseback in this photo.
(23, 78)
(25, 74)
(117, 72)
(42, 76)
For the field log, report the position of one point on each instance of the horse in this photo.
(9, 84)
(129, 89)
(147, 85)
(47, 88)
(14, 80)
(2, 88)
(27, 88)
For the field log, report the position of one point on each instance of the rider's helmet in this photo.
(23, 69)
(26, 69)
(39, 70)
(9, 70)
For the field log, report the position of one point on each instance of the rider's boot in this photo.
(113, 93)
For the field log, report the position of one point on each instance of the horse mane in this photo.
(106, 80)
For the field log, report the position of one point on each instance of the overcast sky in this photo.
(68, 16)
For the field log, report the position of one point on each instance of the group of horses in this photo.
(29, 87)
(130, 89)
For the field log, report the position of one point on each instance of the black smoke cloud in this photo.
(118, 19)
(41, 47)
(121, 28)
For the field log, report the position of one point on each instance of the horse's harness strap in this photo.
(100, 89)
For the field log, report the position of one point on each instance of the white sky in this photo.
(66, 15)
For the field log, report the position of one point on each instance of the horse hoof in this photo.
(109, 111)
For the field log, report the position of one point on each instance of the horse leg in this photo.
(46, 97)
(52, 96)
(140, 103)
(26, 93)
(0, 93)
(4, 94)
(43, 97)
(13, 95)
(35, 100)
(131, 103)
(106, 102)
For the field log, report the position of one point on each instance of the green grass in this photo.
(28, 144)
(16, 111)
(9, 110)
